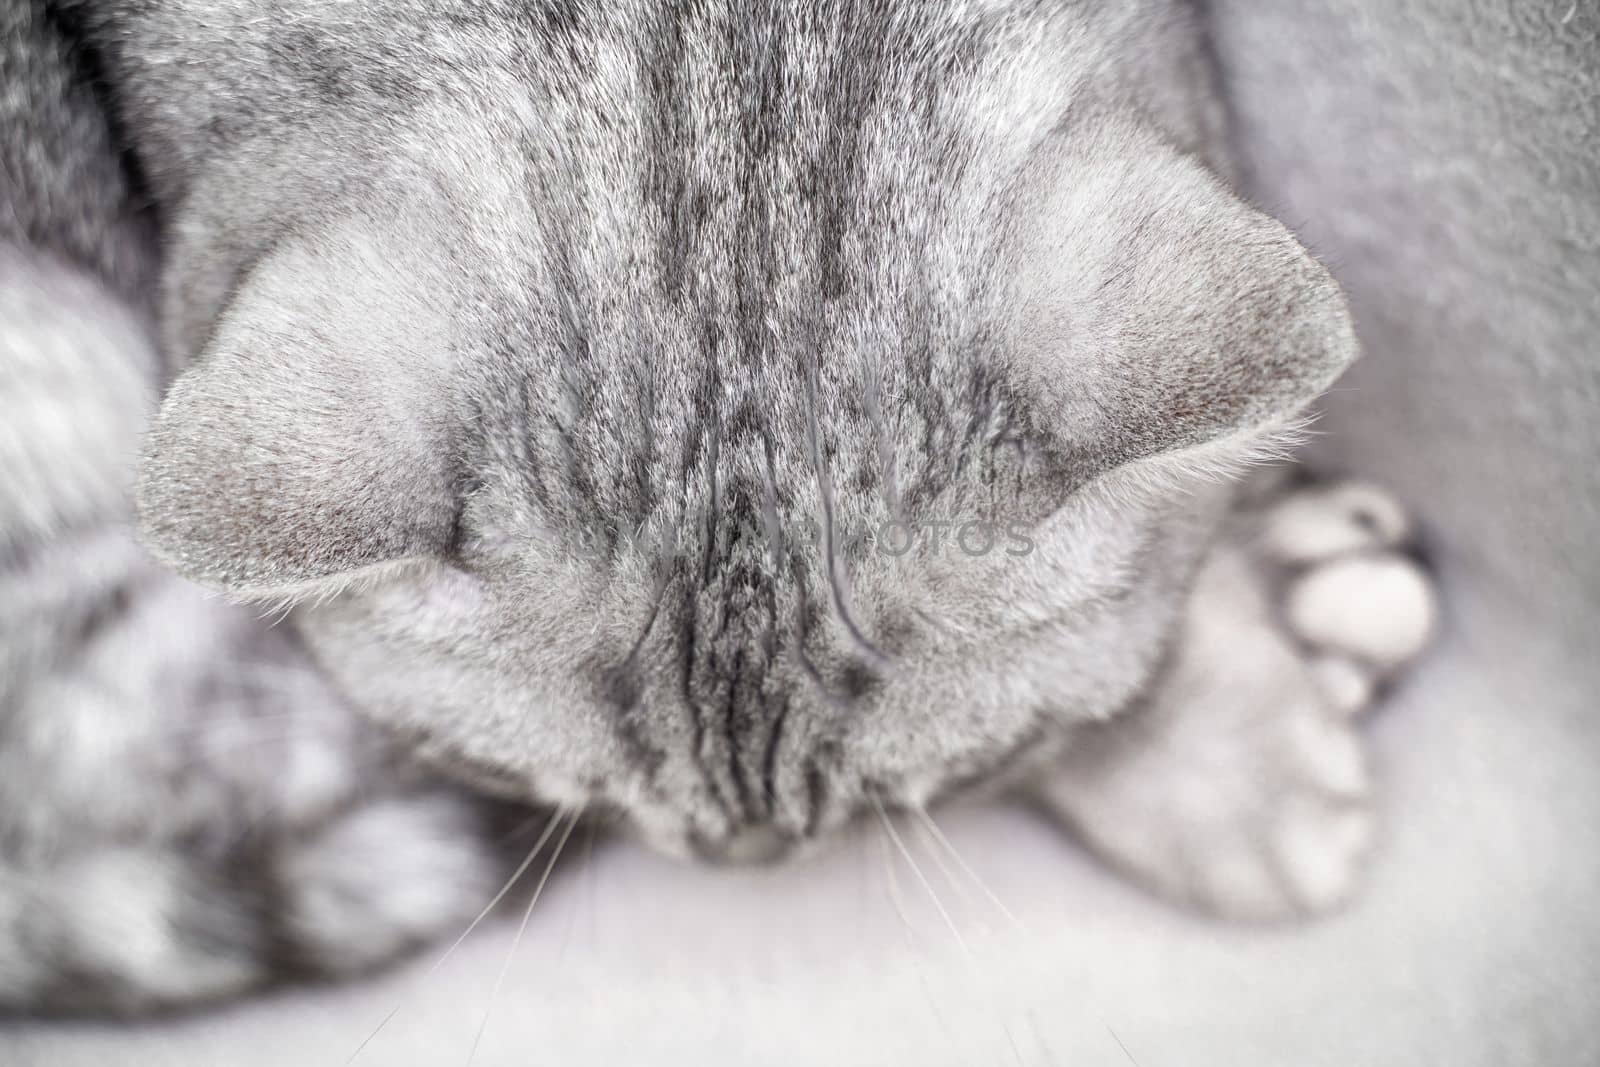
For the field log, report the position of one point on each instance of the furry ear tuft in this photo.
(310, 441)
(1157, 311)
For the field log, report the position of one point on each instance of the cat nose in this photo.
(754, 843)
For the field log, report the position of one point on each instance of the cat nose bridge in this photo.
(738, 727)
(743, 709)
(757, 710)
(762, 746)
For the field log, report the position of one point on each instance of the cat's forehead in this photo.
(657, 418)
(749, 159)
(618, 385)
(758, 251)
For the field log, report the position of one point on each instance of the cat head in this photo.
(741, 516)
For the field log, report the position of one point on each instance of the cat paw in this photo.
(1231, 788)
(1352, 597)
(1239, 784)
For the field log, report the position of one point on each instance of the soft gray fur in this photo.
(516, 351)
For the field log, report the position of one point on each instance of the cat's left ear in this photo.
(1154, 310)
(311, 441)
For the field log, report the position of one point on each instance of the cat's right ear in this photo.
(311, 442)
(1154, 310)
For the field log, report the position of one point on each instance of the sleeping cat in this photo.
(722, 418)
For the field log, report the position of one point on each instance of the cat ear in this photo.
(310, 441)
(1156, 310)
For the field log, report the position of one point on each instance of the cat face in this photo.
(740, 678)
(739, 485)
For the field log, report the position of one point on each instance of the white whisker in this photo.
(516, 876)
(894, 835)
(579, 900)
(945, 843)
(1121, 1045)
(966, 951)
(912, 934)
(946, 874)
(896, 897)
(516, 942)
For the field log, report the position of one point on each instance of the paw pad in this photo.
(1376, 609)
(1361, 604)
